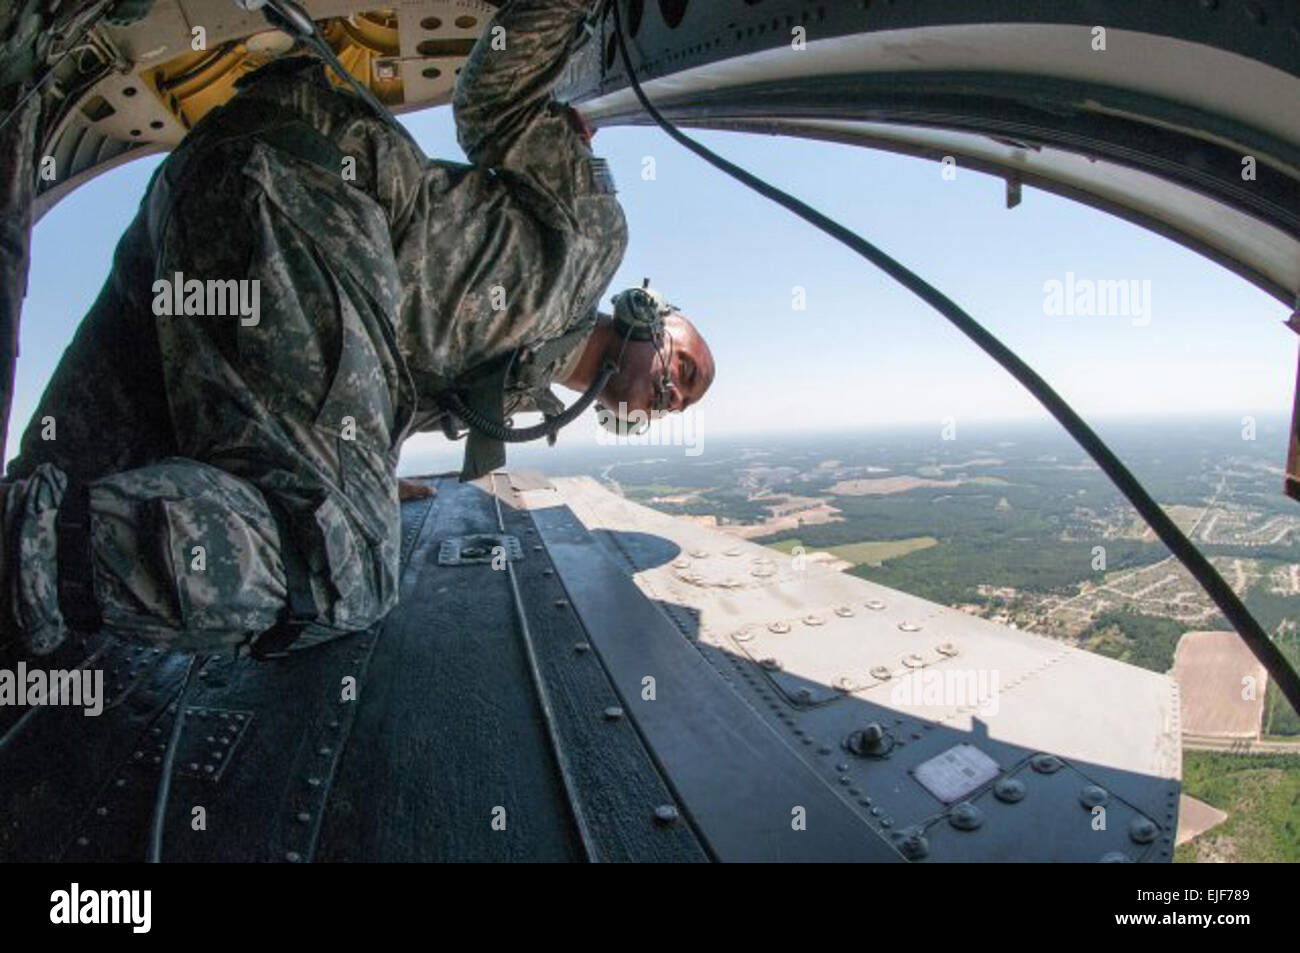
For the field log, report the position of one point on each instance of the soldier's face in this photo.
(665, 378)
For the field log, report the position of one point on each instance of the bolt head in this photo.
(666, 814)
(1009, 790)
(1093, 795)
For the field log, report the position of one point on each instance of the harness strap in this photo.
(301, 609)
(76, 583)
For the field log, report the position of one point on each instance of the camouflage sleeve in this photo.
(508, 120)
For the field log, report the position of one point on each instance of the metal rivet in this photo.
(83, 841)
(909, 627)
(613, 713)
(1093, 795)
(302, 817)
(666, 814)
(581, 647)
(911, 843)
(966, 817)
(561, 603)
(1046, 763)
(771, 664)
(194, 766)
(1009, 790)
(293, 857)
(780, 628)
(844, 612)
(101, 810)
(813, 619)
(1143, 830)
(325, 750)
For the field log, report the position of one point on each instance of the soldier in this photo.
(228, 480)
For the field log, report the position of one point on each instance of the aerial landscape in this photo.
(1013, 523)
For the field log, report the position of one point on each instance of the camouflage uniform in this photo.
(240, 476)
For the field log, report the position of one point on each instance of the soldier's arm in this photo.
(506, 116)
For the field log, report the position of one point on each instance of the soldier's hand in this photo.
(408, 490)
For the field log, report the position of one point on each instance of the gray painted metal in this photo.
(824, 658)
(619, 802)
(742, 786)
(445, 727)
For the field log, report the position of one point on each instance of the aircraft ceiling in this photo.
(1188, 122)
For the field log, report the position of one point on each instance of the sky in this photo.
(860, 352)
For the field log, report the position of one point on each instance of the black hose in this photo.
(1179, 545)
(169, 762)
(453, 403)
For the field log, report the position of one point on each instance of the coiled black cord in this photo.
(1252, 633)
(452, 402)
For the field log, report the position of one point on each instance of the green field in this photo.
(871, 553)
(1261, 794)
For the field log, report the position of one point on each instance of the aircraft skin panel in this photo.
(1184, 112)
(503, 712)
(1216, 81)
(743, 788)
(819, 652)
